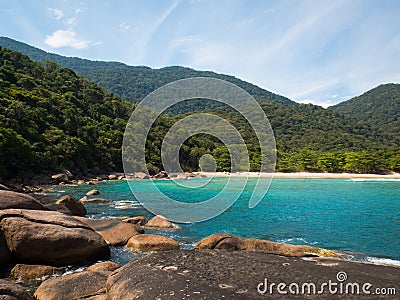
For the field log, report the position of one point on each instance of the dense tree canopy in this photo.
(51, 119)
(377, 107)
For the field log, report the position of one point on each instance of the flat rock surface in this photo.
(221, 274)
(114, 231)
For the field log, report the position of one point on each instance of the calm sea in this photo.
(360, 217)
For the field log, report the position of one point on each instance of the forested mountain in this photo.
(134, 82)
(51, 118)
(378, 107)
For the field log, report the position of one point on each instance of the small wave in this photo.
(298, 240)
(125, 204)
(374, 179)
(383, 261)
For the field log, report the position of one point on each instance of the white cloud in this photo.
(66, 38)
(57, 13)
(324, 104)
(123, 27)
(72, 21)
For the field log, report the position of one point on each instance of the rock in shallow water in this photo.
(114, 231)
(86, 200)
(92, 192)
(160, 222)
(229, 242)
(151, 242)
(75, 207)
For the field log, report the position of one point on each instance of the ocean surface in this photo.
(360, 217)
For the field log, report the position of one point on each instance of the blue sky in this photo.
(317, 51)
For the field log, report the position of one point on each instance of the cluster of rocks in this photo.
(37, 244)
(31, 183)
(67, 178)
(38, 240)
(177, 176)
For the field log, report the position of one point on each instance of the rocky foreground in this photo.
(39, 240)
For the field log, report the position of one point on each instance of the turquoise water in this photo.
(358, 216)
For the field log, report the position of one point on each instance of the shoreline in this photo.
(303, 175)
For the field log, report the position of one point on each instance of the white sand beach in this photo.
(299, 175)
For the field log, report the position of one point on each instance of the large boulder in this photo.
(151, 242)
(114, 231)
(83, 285)
(74, 206)
(12, 291)
(233, 243)
(22, 272)
(220, 274)
(160, 222)
(9, 199)
(50, 238)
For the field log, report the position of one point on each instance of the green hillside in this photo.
(378, 107)
(51, 118)
(134, 82)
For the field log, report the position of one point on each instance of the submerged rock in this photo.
(151, 242)
(114, 231)
(48, 237)
(9, 200)
(233, 243)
